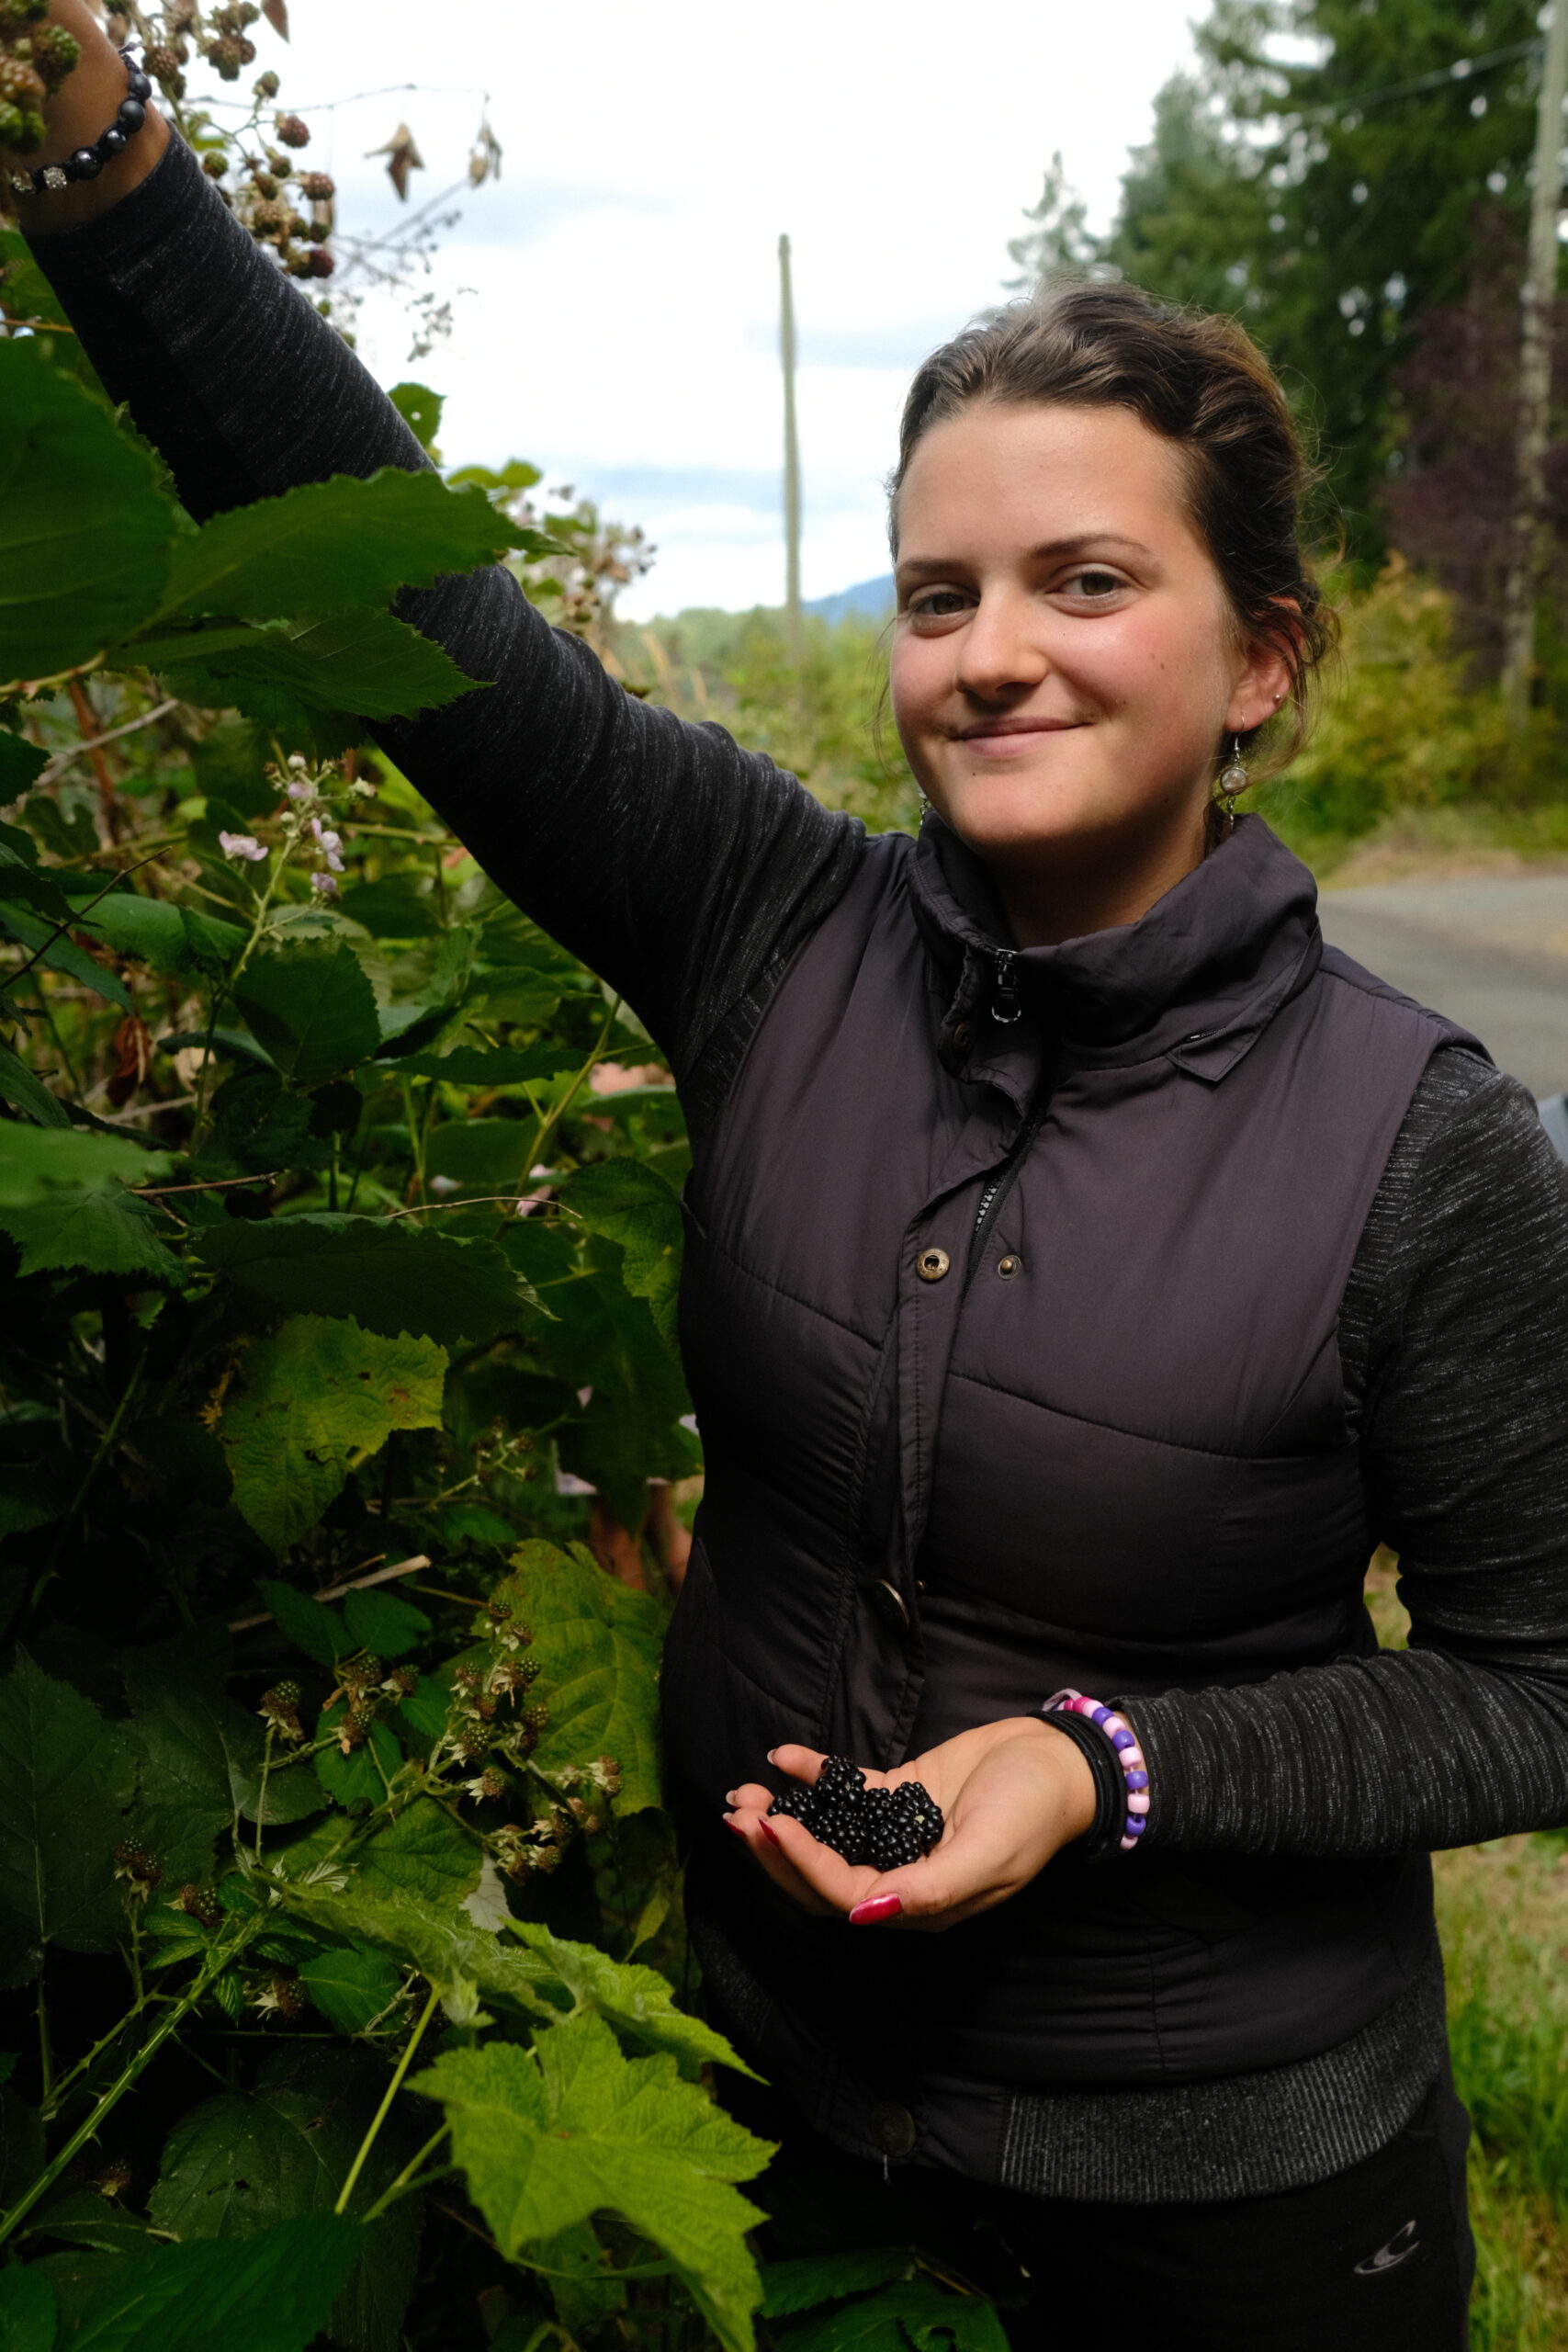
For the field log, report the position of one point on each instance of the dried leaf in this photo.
(404, 158)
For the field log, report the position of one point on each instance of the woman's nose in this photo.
(1002, 650)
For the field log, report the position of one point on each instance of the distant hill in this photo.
(872, 597)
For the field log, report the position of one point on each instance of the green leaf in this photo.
(802, 2282)
(312, 1625)
(346, 541)
(202, 1754)
(389, 1278)
(352, 1987)
(21, 2147)
(312, 1007)
(363, 662)
(637, 2001)
(313, 1393)
(492, 1064)
(21, 763)
(65, 1776)
(29, 1094)
(629, 1202)
(465, 1963)
(237, 2166)
(95, 1233)
(25, 886)
(35, 1165)
(384, 1622)
(83, 2217)
(598, 1647)
(917, 2312)
(273, 2292)
(27, 2309)
(360, 1776)
(485, 1156)
(84, 530)
(172, 939)
(551, 2135)
(422, 1853)
(50, 947)
(420, 409)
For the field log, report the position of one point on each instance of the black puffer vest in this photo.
(1010, 1313)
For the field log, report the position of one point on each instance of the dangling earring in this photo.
(1231, 781)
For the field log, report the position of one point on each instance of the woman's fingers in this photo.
(767, 1850)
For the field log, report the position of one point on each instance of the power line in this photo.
(1461, 69)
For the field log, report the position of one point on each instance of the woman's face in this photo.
(1065, 662)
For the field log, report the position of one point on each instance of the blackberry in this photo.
(291, 131)
(884, 1829)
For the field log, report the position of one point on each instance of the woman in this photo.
(1085, 1269)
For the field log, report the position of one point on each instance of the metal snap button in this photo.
(931, 1264)
(888, 1604)
(893, 2127)
(962, 1034)
(1007, 1266)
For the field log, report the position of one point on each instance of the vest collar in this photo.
(1197, 978)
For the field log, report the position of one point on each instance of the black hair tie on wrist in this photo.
(88, 162)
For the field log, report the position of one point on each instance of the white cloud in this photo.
(621, 327)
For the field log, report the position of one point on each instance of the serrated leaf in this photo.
(35, 1165)
(27, 2309)
(312, 1007)
(423, 1854)
(171, 939)
(273, 2292)
(350, 541)
(25, 886)
(314, 1393)
(65, 1778)
(229, 1991)
(28, 1093)
(630, 1204)
(359, 1775)
(202, 1753)
(352, 1987)
(93, 1233)
(801, 2282)
(21, 763)
(83, 2217)
(50, 947)
(238, 2165)
(434, 1936)
(598, 1647)
(384, 1622)
(363, 662)
(84, 530)
(550, 2135)
(637, 2001)
(915, 2312)
(313, 1626)
(389, 1278)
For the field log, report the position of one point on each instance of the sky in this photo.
(614, 293)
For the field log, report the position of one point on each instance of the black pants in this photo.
(1377, 2259)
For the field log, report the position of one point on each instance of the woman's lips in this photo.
(1010, 737)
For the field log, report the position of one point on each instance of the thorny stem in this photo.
(105, 1443)
(398, 2071)
(261, 1792)
(275, 876)
(73, 921)
(405, 2179)
(216, 1962)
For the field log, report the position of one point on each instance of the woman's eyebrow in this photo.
(936, 567)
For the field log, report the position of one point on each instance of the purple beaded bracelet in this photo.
(1129, 1755)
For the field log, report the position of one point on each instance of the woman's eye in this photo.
(938, 604)
(1094, 585)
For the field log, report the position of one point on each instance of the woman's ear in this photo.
(1264, 685)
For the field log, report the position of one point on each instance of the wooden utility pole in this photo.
(792, 453)
(1537, 296)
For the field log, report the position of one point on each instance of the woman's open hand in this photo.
(1013, 1794)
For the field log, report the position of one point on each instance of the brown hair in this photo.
(1203, 383)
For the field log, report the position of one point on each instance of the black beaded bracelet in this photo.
(88, 162)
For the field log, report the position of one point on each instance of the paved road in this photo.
(1492, 952)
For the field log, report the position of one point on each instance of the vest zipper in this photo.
(1005, 1006)
(1006, 1177)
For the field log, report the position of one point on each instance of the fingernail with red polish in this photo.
(875, 1907)
(770, 1834)
(730, 1822)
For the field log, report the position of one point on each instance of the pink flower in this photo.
(298, 789)
(242, 846)
(332, 843)
(324, 883)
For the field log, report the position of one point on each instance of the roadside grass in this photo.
(1503, 1913)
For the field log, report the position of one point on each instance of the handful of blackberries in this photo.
(882, 1828)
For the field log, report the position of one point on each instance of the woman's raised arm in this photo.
(679, 867)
